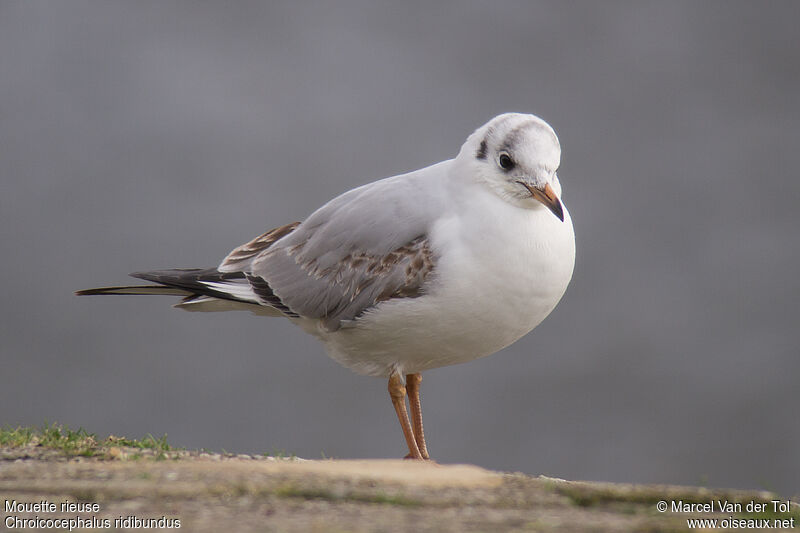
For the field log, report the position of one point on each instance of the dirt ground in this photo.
(209, 492)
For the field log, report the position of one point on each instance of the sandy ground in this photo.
(208, 492)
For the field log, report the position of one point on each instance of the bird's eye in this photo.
(505, 161)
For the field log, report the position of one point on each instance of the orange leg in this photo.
(397, 391)
(412, 382)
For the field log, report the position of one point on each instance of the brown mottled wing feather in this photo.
(416, 260)
(240, 257)
(343, 291)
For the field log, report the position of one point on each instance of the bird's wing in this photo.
(241, 256)
(366, 246)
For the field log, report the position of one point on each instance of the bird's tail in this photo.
(203, 289)
(190, 282)
(135, 289)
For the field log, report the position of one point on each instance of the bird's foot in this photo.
(424, 458)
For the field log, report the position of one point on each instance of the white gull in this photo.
(431, 268)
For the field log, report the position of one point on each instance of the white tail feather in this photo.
(208, 304)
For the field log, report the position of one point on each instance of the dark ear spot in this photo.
(481, 150)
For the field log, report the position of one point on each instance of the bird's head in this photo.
(516, 156)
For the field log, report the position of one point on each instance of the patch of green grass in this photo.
(51, 436)
(15, 437)
(147, 443)
(77, 442)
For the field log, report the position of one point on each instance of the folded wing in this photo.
(349, 255)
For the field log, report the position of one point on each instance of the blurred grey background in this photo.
(141, 135)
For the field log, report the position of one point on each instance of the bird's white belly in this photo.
(476, 304)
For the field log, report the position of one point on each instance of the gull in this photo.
(431, 268)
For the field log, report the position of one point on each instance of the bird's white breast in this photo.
(499, 273)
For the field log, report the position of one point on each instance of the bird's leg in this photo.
(412, 383)
(397, 391)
